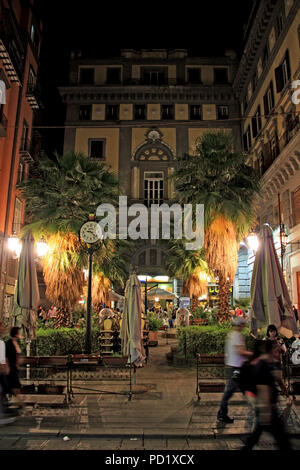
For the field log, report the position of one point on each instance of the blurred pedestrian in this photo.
(295, 313)
(52, 312)
(268, 417)
(235, 355)
(6, 416)
(13, 353)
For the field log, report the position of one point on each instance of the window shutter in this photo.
(288, 67)
(279, 78)
(272, 93)
(266, 107)
(297, 206)
(245, 141)
(254, 127)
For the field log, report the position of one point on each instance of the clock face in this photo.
(91, 232)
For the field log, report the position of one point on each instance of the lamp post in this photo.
(145, 278)
(89, 235)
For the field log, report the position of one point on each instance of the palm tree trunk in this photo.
(224, 296)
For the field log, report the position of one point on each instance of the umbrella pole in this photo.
(27, 355)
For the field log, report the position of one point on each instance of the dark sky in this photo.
(101, 29)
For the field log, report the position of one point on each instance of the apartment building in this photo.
(20, 39)
(139, 111)
(264, 83)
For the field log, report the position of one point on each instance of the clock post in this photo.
(90, 233)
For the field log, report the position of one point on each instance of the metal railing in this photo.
(270, 155)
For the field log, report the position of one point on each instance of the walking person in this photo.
(268, 417)
(6, 415)
(235, 355)
(13, 353)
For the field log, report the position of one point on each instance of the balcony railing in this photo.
(13, 43)
(270, 154)
(33, 95)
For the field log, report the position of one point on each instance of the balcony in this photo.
(3, 124)
(33, 95)
(26, 150)
(12, 46)
(271, 153)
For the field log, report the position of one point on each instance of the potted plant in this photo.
(155, 324)
(200, 316)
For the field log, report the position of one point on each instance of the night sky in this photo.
(102, 29)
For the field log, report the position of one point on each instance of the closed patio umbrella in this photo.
(270, 300)
(131, 330)
(27, 296)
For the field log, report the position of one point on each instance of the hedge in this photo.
(61, 342)
(207, 340)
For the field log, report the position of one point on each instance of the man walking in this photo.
(268, 417)
(6, 416)
(235, 355)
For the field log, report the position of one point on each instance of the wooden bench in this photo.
(210, 383)
(42, 369)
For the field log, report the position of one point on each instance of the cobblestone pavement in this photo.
(163, 414)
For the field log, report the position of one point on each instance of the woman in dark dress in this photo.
(13, 353)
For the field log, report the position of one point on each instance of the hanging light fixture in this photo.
(14, 245)
(252, 240)
(42, 247)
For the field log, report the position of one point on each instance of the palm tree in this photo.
(68, 188)
(218, 177)
(189, 266)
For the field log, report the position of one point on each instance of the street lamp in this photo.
(145, 278)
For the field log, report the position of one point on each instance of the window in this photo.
(247, 139)
(34, 37)
(153, 257)
(17, 221)
(265, 56)
(254, 80)
(274, 145)
(221, 76)
(24, 139)
(113, 75)
(21, 172)
(194, 75)
(85, 112)
(269, 99)
(279, 25)
(153, 188)
(245, 103)
(31, 80)
(112, 112)
(97, 148)
(223, 112)
(195, 111)
(283, 73)
(142, 259)
(167, 111)
(87, 76)
(256, 122)
(155, 77)
(140, 111)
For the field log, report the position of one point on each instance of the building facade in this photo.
(139, 111)
(266, 84)
(20, 38)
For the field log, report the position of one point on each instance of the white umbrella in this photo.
(131, 330)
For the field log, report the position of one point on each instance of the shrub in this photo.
(208, 339)
(61, 342)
